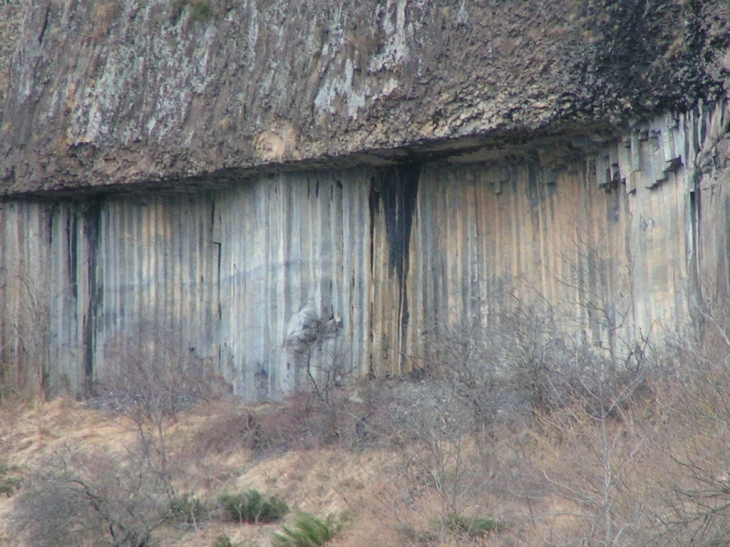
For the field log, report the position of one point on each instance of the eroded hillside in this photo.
(460, 455)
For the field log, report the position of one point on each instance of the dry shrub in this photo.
(692, 505)
(150, 377)
(591, 412)
(77, 498)
(302, 422)
(506, 368)
(601, 452)
(26, 362)
(442, 467)
(229, 433)
(596, 467)
(153, 374)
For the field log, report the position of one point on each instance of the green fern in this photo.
(308, 531)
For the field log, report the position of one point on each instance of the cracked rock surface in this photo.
(126, 92)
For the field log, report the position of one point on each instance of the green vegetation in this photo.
(308, 531)
(472, 527)
(200, 10)
(418, 536)
(187, 508)
(9, 480)
(453, 524)
(251, 507)
(222, 541)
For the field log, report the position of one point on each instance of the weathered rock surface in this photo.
(289, 275)
(119, 92)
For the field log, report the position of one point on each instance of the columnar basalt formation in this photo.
(289, 189)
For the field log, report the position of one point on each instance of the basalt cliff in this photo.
(289, 188)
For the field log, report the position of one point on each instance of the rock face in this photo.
(121, 92)
(284, 278)
(294, 191)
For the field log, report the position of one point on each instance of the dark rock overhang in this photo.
(120, 96)
(567, 146)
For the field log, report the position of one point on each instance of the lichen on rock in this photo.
(121, 92)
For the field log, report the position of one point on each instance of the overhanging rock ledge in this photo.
(120, 92)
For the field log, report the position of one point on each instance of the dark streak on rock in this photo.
(92, 235)
(394, 192)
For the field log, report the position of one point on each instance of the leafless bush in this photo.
(294, 423)
(694, 508)
(441, 473)
(476, 380)
(315, 351)
(440, 455)
(504, 365)
(465, 359)
(330, 372)
(539, 358)
(153, 372)
(241, 429)
(151, 376)
(590, 405)
(91, 499)
(595, 419)
(602, 444)
(26, 370)
(303, 422)
(319, 411)
(327, 413)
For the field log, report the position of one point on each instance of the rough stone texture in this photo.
(11, 18)
(118, 92)
(425, 160)
(354, 269)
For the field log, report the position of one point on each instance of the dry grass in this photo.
(324, 480)
(542, 481)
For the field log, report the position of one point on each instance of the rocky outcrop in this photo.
(288, 279)
(126, 92)
(351, 179)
